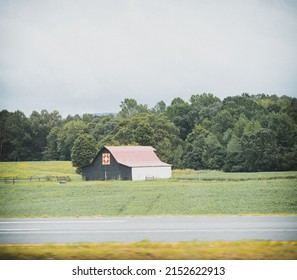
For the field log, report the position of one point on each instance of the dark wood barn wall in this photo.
(114, 171)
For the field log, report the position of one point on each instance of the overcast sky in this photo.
(86, 56)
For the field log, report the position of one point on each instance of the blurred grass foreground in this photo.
(145, 250)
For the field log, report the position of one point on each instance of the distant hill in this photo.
(104, 114)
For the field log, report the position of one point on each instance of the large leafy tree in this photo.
(130, 107)
(16, 139)
(243, 105)
(221, 123)
(83, 151)
(51, 150)
(284, 128)
(66, 137)
(150, 129)
(234, 161)
(259, 151)
(41, 125)
(60, 140)
(205, 105)
(203, 150)
(291, 109)
(182, 115)
(5, 134)
(160, 107)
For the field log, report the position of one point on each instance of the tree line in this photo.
(239, 133)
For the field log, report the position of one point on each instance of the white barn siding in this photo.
(153, 172)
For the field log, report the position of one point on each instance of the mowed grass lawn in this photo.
(257, 194)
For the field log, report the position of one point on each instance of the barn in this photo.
(126, 163)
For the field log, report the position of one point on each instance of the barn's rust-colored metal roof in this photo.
(136, 156)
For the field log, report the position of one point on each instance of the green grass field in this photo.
(215, 175)
(37, 169)
(176, 196)
(154, 198)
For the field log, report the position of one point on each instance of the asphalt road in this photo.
(133, 229)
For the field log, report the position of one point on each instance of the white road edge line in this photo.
(19, 229)
(63, 222)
